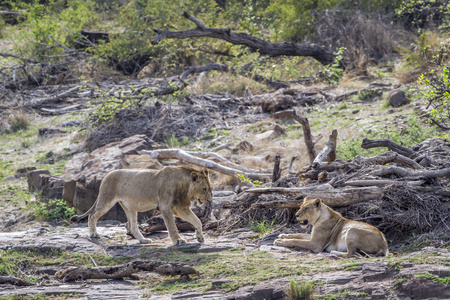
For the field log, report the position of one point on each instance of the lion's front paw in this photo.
(94, 235)
(278, 242)
(201, 239)
(145, 241)
(283, 236)
(180, 241)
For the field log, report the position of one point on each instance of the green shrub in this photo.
(54, 210)
(301, 290)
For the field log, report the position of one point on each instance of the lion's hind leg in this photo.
(102, 206)
(132, 217)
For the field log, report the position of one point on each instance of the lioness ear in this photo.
(316, 202)
(194, 176)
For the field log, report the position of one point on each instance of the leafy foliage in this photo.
(54, 210)
(437, 88)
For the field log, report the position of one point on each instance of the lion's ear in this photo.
(317, 202)
(194, 176)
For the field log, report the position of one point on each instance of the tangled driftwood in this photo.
(121, 271)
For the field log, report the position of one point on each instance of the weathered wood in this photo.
(318, 52)
(121, 271)
(329, 152)
(367, 144)
(412, 175)
(184, 156)
(330, 196)
(376, 182)
(306, 134)
(277, 204)
(386, 158)
(14, 281)
(276, 169)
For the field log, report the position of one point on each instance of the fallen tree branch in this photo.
(306, 134)
(411, 175)
(121, 271)
(184, 156)
(318, 52)
(388, 157)
(14, 281)
(367, 144)
(329, 195)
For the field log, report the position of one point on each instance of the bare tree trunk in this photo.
(329, 152)
(276, 169)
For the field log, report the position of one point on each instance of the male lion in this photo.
(170, 190)
(333, 233)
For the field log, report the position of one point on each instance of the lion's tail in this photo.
(79, 217)
(385, 250)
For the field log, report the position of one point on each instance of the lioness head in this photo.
(202, 187)
(309, 211)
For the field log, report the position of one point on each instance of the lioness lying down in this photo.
(333, 233)
(170, 189)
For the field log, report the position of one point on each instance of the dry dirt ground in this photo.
(398, 276)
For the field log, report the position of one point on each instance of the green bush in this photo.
(301, 290)
(54, 210)
(437, 96)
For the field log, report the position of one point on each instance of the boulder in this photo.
(41, 181)
(398, 98)
(83, 174)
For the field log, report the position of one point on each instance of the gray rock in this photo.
(398, 98)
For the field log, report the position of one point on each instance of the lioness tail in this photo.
(79, 217)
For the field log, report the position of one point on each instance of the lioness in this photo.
(333, 233)
(170, 190)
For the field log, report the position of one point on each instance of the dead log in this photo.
(121, 271)
(375, 182)
(276, 169)
(185, 157)
(386, 158)
(306, 134)
(412, 175)
(14, 281)
(367, 144)
(334, 197)
(255, 44)
(329, 152)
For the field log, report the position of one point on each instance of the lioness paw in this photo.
(94, 235)
(283, 236)
(180, 241)
(145, 241)
(278, 242)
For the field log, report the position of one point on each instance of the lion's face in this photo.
(202, 187)
(309, 212)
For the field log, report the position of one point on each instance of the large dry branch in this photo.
(412, 175)
(306, 134)
(121, 271)
(367, 144)
(14, 280)
(319, 53)
(386, 158)
(331, 196)
(186, 157)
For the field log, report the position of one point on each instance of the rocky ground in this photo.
(422, 273)
(393, 277)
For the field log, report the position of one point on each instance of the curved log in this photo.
(367, 144)
(318, 52)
